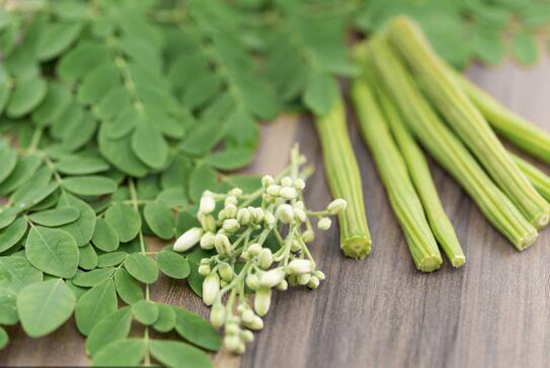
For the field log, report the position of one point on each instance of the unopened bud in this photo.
(269, 219)
(286, 181)
(217, 315)
(254, 249)
(230, 211)
(243, 216)
(188, 240)
(308, 236)
(253, 281)
(296, 246)
(204, 270)
(210, 288)
(247, 336)
(262, 301)
(273, 190)
(258, 214)
(257, 324)
(232, 342)
(236, 192)
(300, 215)
(207, 203)
(285, 213)
(207, 240)
(320, 275)
(288, 193)
(226, 272)
(248, 316)
(272, 277)
(324, 223)
(299, 184)
(337, 206)
(267, 180)
(304, 279)
(313, 282)
(265, 258)
(230, 200)
(300, 267)
(208, 222)
(222, 244)
(282, 286)
(231, 225)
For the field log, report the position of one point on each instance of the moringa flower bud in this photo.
(288, 193)
(300, 267)
(253, 281)
(300, 205)
(188, 240)
(248, 316)
(269, 219)
(207, 203)
(210, 288)
(230, 211)
(207, 240)
(313, 282)
(243, 216)
(207, 222)
(257, 214)
(267, 180)
(232, 328)
(230, 200)
(222, 244)
(204, 270)
(232, 342)
(273, 190)
(337, 206)
(226, 272)
(285, 213)
(299, 184)
(324, 223)
(296, 246)
(272, 277)
(254, 249)
(300, 215)
(257, 324)
(319, 274)
(286, 181)
(217, 315)
(304, 279)
(247, 336)
(231, 225)
(262, 301)
(282, 286)
(236, 192)
(308, 236)
(265, 258)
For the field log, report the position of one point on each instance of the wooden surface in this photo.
(381, 312)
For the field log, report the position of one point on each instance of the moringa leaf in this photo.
(142, 268)
(83, 228)
(91, 185)
(81, 165)
(160, 219)
(12, 234)
(150, 146)
(176, 354)
(88, 258)
(96, 303)
(4, 338)
(55, 217)
(145, 311)
(113, 327)
(111, 259)
(28, 94)
(173, 265)
(196, 330)
(121, 353)
(525, 48)
(127, 287)
(16, 273)
(8, 308)
(94, 277)
(166, 321)
(105, 237)
(125, 220)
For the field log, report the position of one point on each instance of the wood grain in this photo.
(381, 312)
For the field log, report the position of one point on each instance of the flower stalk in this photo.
(393, 172)
(344, 181)
(465, 119)
(446, 148)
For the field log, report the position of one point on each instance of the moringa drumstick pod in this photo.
(407, 39)
(446, 148)
(392, 169)
(537, 177)
(419, 172)
(344, 181)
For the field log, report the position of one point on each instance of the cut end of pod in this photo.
(526, 242)
(430, 263)
(357, 247)
(458, 261)
(542, 220)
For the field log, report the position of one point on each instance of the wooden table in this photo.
(381, 312)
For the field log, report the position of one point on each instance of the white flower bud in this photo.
(230, 200)
(286, 181)
(207, 240)
(223, 283)
(188, 240)
(300, 215)
(299, 184)
(247, 336)
(240, 349)
(272, 277)
(236, 192)
(262, 301)
(208, 222)
(230, 211)
(246, 255)
(304, 279)
(293, 280)
(205, 261)
(288, 193)
(248, 316)
(308, 236)
(226, 272)
(265, 258)
(217, 315)
(254, 249)
(253, 281)
(231, 225)
(257, 214)
(243, 216)
(232, 343)
(232, 328)
(300, 267)
(313, 283)
(273, 190)
(267, 180)
(285, 213)
(282, 286)
(269, 219)
(324, 223)
(207, 203)
(300, 205)
(221, 215)
(257, 324)
(296, 246)
(210, 288)
(337, 206)
(320, 275)
(242, 308)
(222, 244)
(204, 270)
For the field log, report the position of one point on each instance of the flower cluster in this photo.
(239, 227)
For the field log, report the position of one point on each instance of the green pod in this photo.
(392, 169)
(519, 131)
(419, 172)
(447, 149)
(465, 119)
(537, 177)
(344, 180)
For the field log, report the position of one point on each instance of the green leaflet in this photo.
(24, 169)
(28, 93)
(4, 338)
(81, 165)
(150, 146)
(178, 354)
(160, 219)
(105, 237)
(173, 264)
(52, 251)
(88, 259)
(93, 305)
(203, 177)
(54, 104)
(45, 306)
(111, 259)
(12, 234)
(125, 353)
(90, 185)
(196, 330)
(111, 328)
(57, 37)
(83, 228)
(166, 321)
(8, 308)
(16, 273)
(94, 277)
(321, 93)
(8, 157)
(145, 312)
(125, 220)
(55, 217)
(127, 287)
(525, 47)
(142, 268)
(79, 61)
(7, 217)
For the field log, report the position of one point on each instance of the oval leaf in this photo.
(173, 265)
(176, 354)
(125, 220)
(142, 268)
(127, 287)
(111, 328)
(105, 237)
(196, 330)
(160, 219)
(55, 217)
(90, 185)
(121, 353)
(145, 312)
(98, 302)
